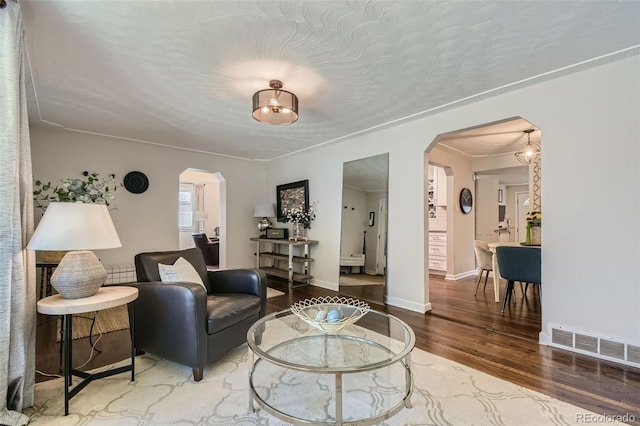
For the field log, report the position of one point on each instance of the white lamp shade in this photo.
(75, 226)
(199, 216)
(264, 210)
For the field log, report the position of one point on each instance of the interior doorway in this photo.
(381, 249)
(481, 158)
(202, 209)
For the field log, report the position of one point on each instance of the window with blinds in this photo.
(185, 207)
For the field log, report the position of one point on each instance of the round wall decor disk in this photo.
(136, 182)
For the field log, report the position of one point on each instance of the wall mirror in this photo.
(363, 237)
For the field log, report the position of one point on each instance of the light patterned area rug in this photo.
(444, 393)
(114, 319)
(272, 292)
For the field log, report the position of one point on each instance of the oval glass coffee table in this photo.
(358, 375)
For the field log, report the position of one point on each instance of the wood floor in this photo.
(461, 327)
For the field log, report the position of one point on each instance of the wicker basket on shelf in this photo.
(50, 256)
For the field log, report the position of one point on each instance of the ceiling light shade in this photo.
(531, 152)
(275, 106)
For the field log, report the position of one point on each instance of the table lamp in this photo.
(265, 211)
(200, 217)
(78, 227)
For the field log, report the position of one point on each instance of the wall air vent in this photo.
(587, 343)
(561, 337)
(592, 344)
(633, 353)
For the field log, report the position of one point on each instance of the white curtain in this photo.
(17, 265)
(198, 205)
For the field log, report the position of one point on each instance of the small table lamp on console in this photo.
(265, 211)
(79, 227)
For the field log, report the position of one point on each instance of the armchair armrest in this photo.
(247, 281)
(170, 321)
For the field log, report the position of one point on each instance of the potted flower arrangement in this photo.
(534, 222)
(300, 218)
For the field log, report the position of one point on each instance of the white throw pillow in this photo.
(180, 271)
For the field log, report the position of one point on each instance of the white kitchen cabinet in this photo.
(438, 251)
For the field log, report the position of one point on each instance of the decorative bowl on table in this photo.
(330, 313)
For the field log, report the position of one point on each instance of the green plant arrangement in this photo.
(92, 189)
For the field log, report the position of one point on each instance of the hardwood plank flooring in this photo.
(462, 327)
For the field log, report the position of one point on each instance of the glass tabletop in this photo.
(376, 340)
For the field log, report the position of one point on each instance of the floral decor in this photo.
(300, 216)
(534, 222)
(534, 219)
(92, 189)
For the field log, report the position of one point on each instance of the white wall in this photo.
(590, 118)
(354, 220)
(486, 208)
(373, 205)
(148, 221)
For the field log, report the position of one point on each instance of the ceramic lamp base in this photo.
(79, 274)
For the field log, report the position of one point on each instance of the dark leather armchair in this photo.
(210, 250)
(187, 324)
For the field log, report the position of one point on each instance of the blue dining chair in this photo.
(518, 264)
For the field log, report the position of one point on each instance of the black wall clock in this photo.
(466, 200)
(136, 182)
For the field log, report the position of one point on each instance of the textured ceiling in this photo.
(491, 139)
(369, 174)
(182, 73)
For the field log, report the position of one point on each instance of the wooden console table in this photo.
(302, 275)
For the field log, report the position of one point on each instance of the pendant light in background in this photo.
(531, 152)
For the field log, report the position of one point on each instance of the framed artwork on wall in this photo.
(292, 195)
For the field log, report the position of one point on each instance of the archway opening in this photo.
(202, 209)
(482, 160)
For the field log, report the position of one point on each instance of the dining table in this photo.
(494, 261)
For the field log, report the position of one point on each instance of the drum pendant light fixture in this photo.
(531, 152)
(275, 106)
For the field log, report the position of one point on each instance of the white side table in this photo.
(107, 297)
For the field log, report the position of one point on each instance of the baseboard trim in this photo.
(456, 277)
(325, 284)
(407, 304)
